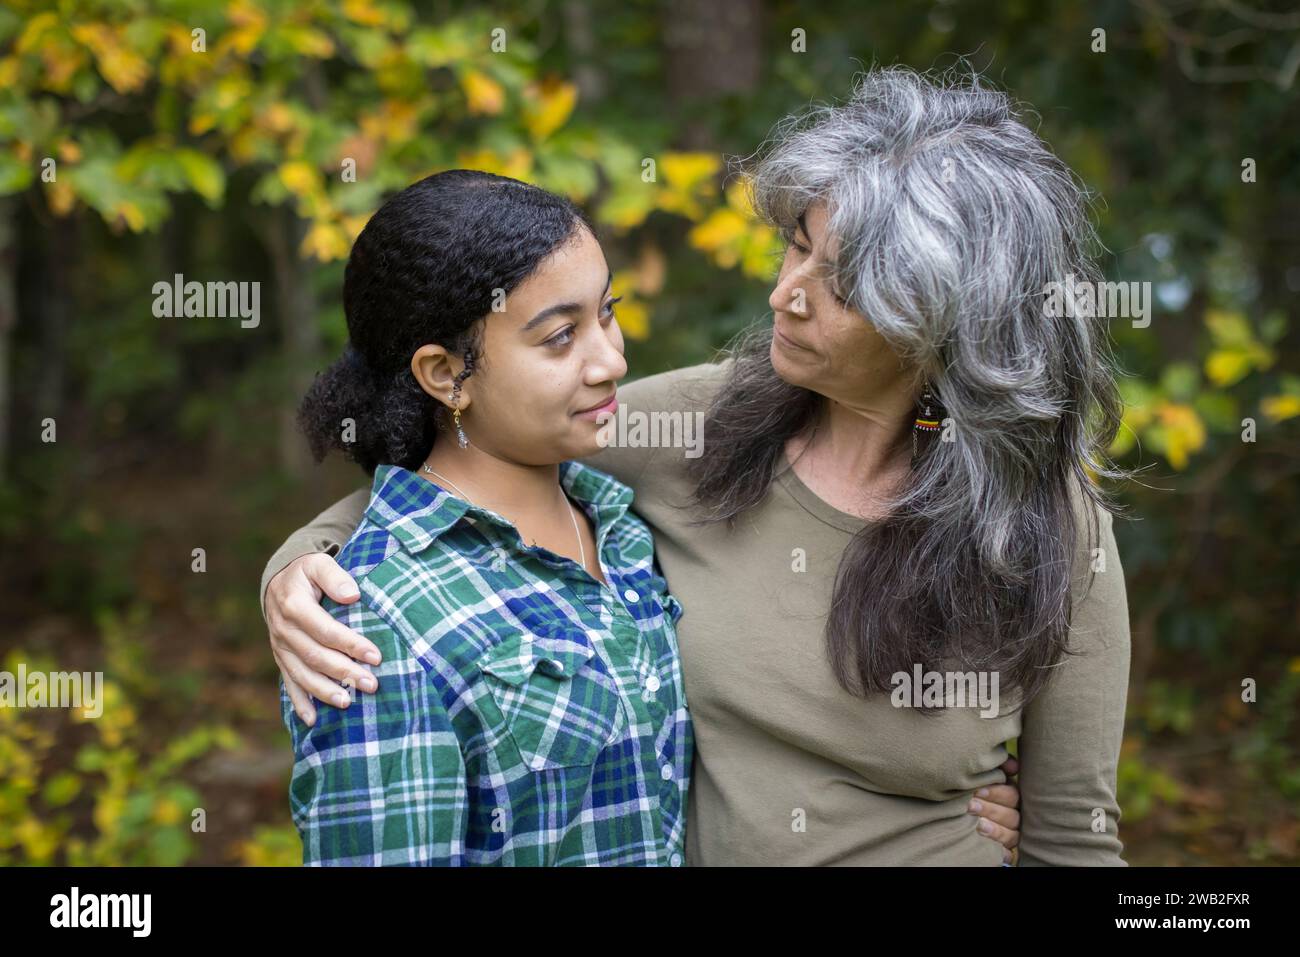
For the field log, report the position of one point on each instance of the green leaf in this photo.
(204, 174)
(1180, 381)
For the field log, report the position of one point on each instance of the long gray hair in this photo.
(952, 217)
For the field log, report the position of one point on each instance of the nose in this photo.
(790, 294)
(606, 363)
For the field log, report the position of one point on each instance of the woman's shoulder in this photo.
(686, 389)
(664, 409)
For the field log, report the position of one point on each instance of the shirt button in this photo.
(630, 595)
(666, 772)
(675, 860)
(652, 684)
(559, 665)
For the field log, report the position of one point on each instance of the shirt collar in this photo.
(416, 511)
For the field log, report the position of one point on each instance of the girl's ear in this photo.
(435, 369)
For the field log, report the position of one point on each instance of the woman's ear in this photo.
(435, 369)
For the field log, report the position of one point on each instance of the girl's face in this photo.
(555, 351)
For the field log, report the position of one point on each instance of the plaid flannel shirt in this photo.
(526, 714)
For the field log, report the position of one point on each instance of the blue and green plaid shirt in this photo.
(526, 714)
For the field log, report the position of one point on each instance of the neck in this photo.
(494, 483)
(869, 439)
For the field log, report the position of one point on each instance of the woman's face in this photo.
(554, 351)
(819, 343)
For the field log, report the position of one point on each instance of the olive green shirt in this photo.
(789, 767)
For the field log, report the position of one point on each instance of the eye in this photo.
(804, 250)
(561, 338)
(609, 306)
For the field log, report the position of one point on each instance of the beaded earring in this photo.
(928, 417)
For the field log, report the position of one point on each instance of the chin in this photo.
(585, 442)
(787, 369)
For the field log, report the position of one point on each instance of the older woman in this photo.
(893, 507)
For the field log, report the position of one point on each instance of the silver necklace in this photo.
(581, 550)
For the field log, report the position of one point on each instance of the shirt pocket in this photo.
(558, 707)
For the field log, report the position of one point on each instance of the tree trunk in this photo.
(300, 340)
(713, 50)
(8, 321)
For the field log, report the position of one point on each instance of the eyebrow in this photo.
(562, 308)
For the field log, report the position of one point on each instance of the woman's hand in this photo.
(309, 644)
(996, 805)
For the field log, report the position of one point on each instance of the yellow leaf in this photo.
(518, 165)
(485, 95)
(60, 197)
(200, 123)
(8, 71)
(325, 241)
(396, 122)
(686, 171)
(719, 232)
(352, 226)
(737, 193)
(276, 118)
(62, 61)
(1223, 367)
(123, 68)
(166, 811)
(34, 30)
(633, 315)
(634, 319)
(1183, 432)
(299, 177)
(108, 809)
(249, 23)
(1279, 407)
(363, 12)
(132, 214)
(308, 41)
(553, 103)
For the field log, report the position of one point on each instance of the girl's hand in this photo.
(995, 805)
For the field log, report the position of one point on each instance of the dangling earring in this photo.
(461, 440)
(927, 419)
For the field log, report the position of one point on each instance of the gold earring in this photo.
(460, 433)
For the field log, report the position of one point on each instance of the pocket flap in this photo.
(515, 659)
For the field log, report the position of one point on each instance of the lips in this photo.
(787, 340)
(599, 405)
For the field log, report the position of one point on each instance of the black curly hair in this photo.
(424, 270)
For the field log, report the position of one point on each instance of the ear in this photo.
(435, 369)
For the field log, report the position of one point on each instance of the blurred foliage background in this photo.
(144, 138)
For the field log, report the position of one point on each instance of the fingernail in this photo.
(983, 792)
(342, 700)
(372, 657)
(310, 720)
(976, 806)
(986, 827)
(368, 683)
(1006, 857)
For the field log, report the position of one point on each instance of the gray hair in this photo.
(952, 217)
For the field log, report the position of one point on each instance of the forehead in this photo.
(813, 219)
(578, 258)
